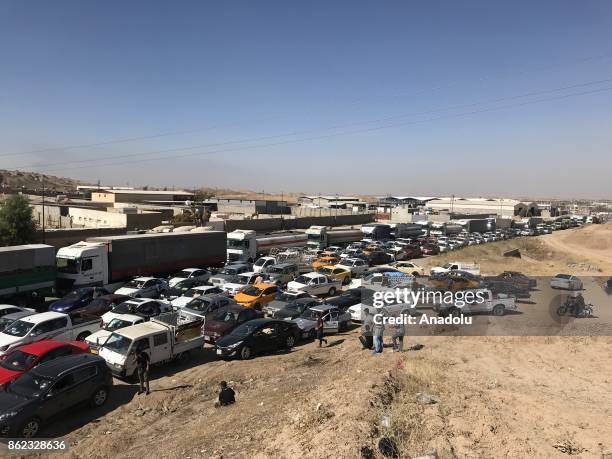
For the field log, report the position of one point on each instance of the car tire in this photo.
(346, 281)
(454, 311)
(499, 310)
(343, 326)
(416, 274)
(99, 397)
(82, 336)
(257, 306)
(312, 334)
(290, 341)
(30, 428)
(183, 357)
(245, 353)
(332, 291)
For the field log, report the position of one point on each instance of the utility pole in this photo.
(42, 181)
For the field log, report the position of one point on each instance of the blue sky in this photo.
(398, 97)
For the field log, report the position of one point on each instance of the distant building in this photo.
(142, 196)
(339, 202)
(484, 206)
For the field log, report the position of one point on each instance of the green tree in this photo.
(16, 224)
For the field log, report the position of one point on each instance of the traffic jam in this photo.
(237, 295)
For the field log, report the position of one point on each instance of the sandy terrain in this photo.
(496, 396)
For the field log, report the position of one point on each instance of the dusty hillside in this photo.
(15, 180)
(496, 396)
(586, 250)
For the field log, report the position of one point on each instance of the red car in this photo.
(430, 249)
(26, 357)
(413, 251)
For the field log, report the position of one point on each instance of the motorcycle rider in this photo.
(577, 304)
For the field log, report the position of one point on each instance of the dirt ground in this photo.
(494, 396)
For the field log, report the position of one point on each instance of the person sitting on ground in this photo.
(578, 304)
(227, 396)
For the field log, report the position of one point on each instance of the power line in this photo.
(209, 128)
(358, 131)
(329, 128)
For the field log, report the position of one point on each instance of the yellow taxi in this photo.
(257, 295)
(325, 261)
(337, 273)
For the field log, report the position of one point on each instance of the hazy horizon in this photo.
(473, 99)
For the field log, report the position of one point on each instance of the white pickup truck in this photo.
(482, 300)
(47, 325)
(97, 339)
(472, 268)
(162, 338)
(315, 284)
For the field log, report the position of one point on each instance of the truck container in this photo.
(376, 232)
(321, 237)
(405, 230)
(247, 245)
(108, 261)
(450, 229)
(480, 225)
(27, 273)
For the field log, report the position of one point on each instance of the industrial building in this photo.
(142, 196)
(340, 202)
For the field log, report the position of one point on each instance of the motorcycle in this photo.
(568, 309)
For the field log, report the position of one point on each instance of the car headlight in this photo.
(236, 344)
(8, 415)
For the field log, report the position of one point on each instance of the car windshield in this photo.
(75, 294)
(326, 271)
(181, 274)
(18, 361)
(230, 271)
(294, 306)
(244, 330)
(302, 279)
(4, 322)
(135, 284)
(227, 316)
(117, 323)
(285, 296)
(118, 343)
(67, 265)
(30, 385)
(252, 291)
(18, 328)
(309, 314)
(124, 308)
(199, 304)
(260, 262)
(275, 270)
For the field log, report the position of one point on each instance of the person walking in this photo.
(143, 364)
(398, 337)
(378, 331)
(366, 330)
(319, 327)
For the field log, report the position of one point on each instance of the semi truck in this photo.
(108, 261)
(480, 225)
(27, 273)
(321, 237)
(247, 245)
(375, 232)
(407, 230)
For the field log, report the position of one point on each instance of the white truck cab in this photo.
(83, 263)
(242, 245)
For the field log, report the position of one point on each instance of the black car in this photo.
(102, 304)
(77, 299)
(50, 388)
(258, 336)
(378, 257)
(346, 299)
(295, 309)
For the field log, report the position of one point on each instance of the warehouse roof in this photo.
(152, 192)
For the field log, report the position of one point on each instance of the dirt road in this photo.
(496, 396)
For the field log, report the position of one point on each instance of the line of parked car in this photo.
(53, 360)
